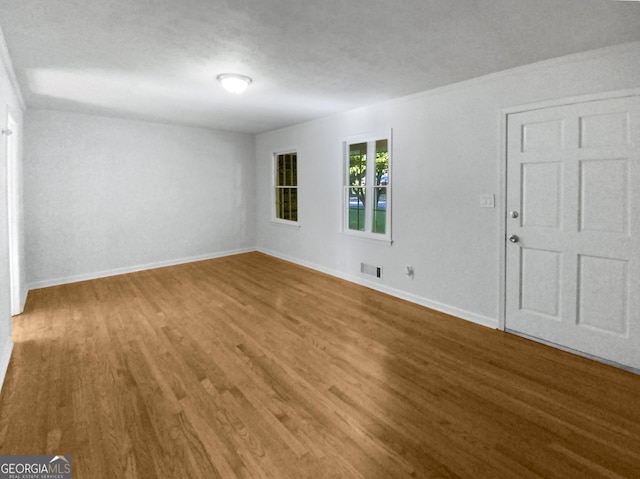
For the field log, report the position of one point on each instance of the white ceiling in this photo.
(158, 59)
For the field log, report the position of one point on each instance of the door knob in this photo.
(514, 238)
(514, 214)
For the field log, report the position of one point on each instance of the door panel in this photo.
(604, 130)
(542, 136)
(603, 288)
(573, 275)
(604, 195)
(541, 201)
(540, 282)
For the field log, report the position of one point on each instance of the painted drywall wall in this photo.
(105, 195)
(447, 151)
(9, 101)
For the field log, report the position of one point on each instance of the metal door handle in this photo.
(514, 238)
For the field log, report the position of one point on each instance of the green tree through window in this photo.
(368, 185)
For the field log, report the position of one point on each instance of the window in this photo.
(367, 188)
(286, 186)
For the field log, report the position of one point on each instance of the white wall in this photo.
(11, 102)
(446, 152)
(105, 195)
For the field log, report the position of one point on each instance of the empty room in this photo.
(340, 239)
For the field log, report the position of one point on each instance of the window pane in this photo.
(280, 171)
(357, 164)
(294, 169)
(380, 210)
(382, 163)
(287, 169)
(287, 204)
(293, 205)
(280, 203)
(288, 165)
(357, 208)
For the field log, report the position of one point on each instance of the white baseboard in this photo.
(443, 308)
(5, 357)
(133, 269)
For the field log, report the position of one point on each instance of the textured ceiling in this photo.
(158, 59)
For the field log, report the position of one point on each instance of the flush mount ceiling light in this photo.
(233, 82)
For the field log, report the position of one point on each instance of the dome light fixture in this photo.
(234, 82)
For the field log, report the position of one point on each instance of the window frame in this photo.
(275, 186)
(370, 139)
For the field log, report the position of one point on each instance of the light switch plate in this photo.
(487, 201)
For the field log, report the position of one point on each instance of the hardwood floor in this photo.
(251, 367)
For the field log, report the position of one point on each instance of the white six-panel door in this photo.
(573, 227)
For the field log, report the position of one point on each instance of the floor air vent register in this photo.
(371, 270)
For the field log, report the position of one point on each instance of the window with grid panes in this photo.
(286, 186)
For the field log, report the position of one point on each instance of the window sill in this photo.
(368, 237)
(286, 223)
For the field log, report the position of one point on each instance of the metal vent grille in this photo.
(371, 270)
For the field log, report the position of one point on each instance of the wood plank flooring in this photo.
(251, 367)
